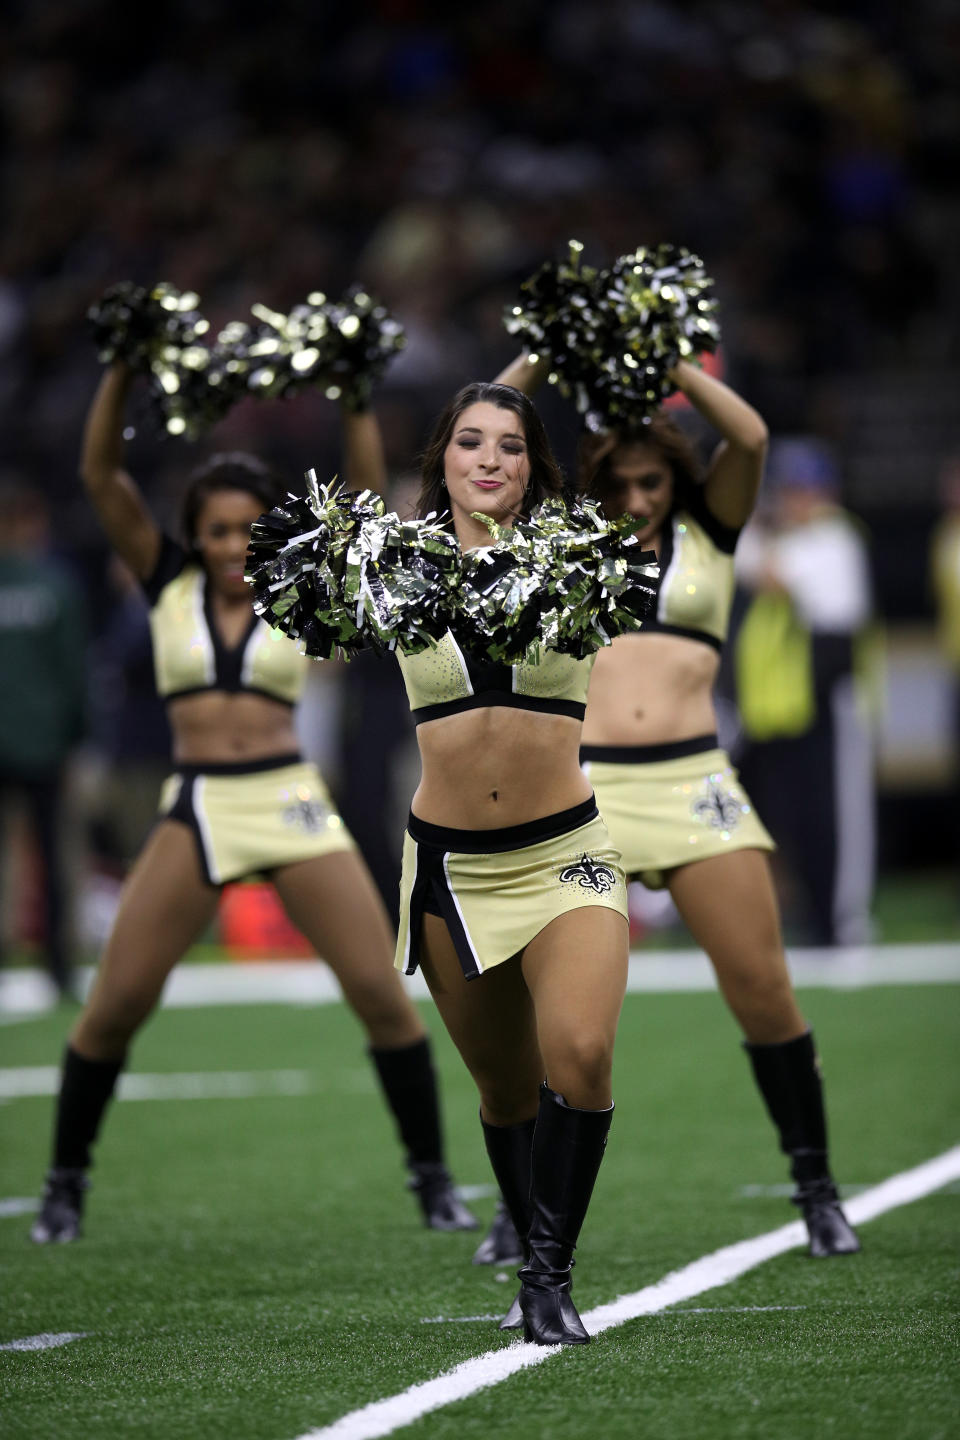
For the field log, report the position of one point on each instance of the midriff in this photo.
(484, 769)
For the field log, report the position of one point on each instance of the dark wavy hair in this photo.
(596, 452)
(232, 470)
(546, 477)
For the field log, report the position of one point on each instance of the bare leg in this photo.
(729, 906)
(576, 969)
(491, 1021)
(166, 906)
(334, 901)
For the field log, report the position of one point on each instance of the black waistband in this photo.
(218, 689)
(647, 754)
(508, 837)
(653, 626)
(238, 767)
(574, 709)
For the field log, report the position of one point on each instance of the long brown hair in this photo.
(546, 477)
(596, 451)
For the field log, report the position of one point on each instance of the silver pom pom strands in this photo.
(340, 574)
(342, 346)
(566, 579)
(337, 572)
(614, 335)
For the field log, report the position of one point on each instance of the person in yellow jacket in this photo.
(801, 660)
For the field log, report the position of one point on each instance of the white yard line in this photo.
(35, 1080)
(18, 1205)
(383, 1417)
(26, 992)
(44, 1342)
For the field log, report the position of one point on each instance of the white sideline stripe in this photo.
(46, 1341)
(733, 1309)
(383, 1417)
(25, 991)
(35, 1080)
(18, 1206)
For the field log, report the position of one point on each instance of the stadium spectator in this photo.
(802, 659)
(42, 697)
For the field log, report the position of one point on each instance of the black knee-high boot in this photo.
(86, 1087)
(568, 1147)
(409, 1083)
(788, 1075)
(510, 1149)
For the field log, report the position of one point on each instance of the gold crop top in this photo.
(446, 679)
(696, 577)
(189, 655)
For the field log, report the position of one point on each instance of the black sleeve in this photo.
(725, 537)
(170, 562)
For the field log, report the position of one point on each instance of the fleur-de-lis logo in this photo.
(305, 815)
(717, 808)
(589, 874)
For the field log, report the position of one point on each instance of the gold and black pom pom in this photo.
(339, 573)
(614, 335)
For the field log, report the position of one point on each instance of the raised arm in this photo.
(736, 467)
(364, 465)
(526, 373)
(130, 527)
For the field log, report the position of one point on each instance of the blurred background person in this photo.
(128, 723)
(42, 707)
(945, 571)
(800, 672)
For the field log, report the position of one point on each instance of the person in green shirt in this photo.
(42, 694)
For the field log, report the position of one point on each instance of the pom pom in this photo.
(401, 578)
(561, 311)
(342, 346)
(339, 574)
(567, 579)
(365, 338)
(137, 325)
(162, 334)
(614, 335)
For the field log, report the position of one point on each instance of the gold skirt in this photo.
(497, 889)
(252, 817)
(666, 805)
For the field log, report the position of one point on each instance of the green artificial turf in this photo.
(254, 1268)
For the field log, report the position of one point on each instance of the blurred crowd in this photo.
(439, 154)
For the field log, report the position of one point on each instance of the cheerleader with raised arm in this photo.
(240, 801)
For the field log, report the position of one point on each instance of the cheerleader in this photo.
(240, 802)
(513, 901)
(667, 791)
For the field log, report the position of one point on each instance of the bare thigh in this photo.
(165, 906)
(333, 900)
(576, 970)
(491, 1021)
(729, 906)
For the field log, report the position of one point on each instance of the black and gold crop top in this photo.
(696, 576)
(445, 680)
(189, 655)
